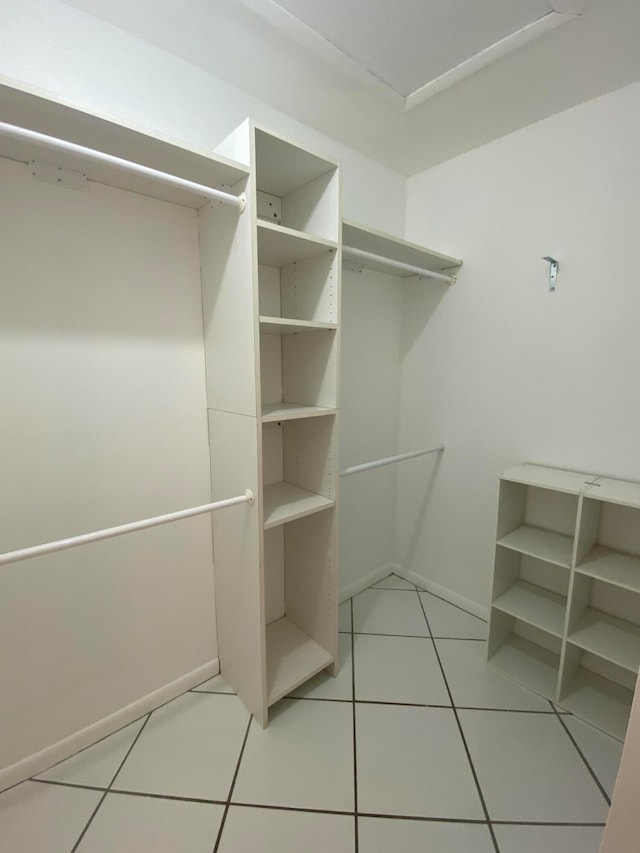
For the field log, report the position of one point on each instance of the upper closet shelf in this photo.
(24, 109)
(279, 246)
(382, 252)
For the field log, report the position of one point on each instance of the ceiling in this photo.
(409, 83)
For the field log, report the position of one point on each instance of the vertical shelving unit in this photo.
(565, 612)
(272, 358)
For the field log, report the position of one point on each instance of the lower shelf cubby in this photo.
(525, 653)
(300, 599)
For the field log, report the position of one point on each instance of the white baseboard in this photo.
(441, 592)
(40, 761)
(365, 581)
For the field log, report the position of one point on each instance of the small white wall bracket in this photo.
(52, 174)
(553, 272)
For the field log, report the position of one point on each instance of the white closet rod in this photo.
(22, 133)
(388, 460)
(110, 532)
(399, 265)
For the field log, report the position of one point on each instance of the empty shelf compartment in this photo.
(601, 702)
(285, 502)
(608, 637)
(543, 544)
(528, 663)
(279, 246)
(535, 605)
(292, 658)
(612, 567)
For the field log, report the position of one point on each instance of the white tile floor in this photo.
(438, 752)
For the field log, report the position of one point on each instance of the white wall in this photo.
(499, 368)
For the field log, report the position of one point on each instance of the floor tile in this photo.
(98, 764)
(217, 684)
(445, 620)
(325, 686)
(277, 831)
(393, 582)
(134, 824)
(411, 761)
(476, 684)
(381, 611)
(527, 770)
(398, 669)
(381, 835)
(550, 839)
(303, 759)
(344, 616)
(189, 748)
(601, 751)
(39, 818)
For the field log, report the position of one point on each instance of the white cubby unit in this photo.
(272, 340)
(565, 611)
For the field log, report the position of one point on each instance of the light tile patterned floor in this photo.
(416, 745)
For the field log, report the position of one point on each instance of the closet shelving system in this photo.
(565, 613)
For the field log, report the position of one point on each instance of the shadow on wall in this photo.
(422, 298)
(408, 554)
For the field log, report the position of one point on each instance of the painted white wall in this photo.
(499, 368)
(100, 68)
(102, 383)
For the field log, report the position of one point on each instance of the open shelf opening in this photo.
(530, 589)
(525, 653)
(303, 290)
(611, 532)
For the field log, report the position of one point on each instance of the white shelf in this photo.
(612, 639)
(600, 702)
(279, 246)
(529, 664)
(378, 243)
(535, 605)
(275, 412)
(292, 658)
(616, 492)
(285, 326)
(545, 545)
(548, 478)
(612, 567)
(282, 166)
(285, 502)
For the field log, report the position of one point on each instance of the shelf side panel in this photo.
(309, 288)
(229, 301)
(311, 578)
(238, 558)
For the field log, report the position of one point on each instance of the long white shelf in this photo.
(616, 492)
(552, 547)
(529, 664)
(534, 605)
(285, 326)
(292, 658)
(285, 502)
(612, 567)
(608, 637)
(273, 412)
(599, 701)
(279, 246)
(553, 479)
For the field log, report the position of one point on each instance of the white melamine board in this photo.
(238, 558)
(274, 604)
(269, 287)
(283, 166)
(542, 544)
(103, 422)
(270, 369)
(309, 288)
(536, 605)
(615, 601)
(310, 454)
(314, 207)
(272, 461)
(279, 246)
(511, 505)
(311, 578)
(55, 119)
(230, 304)
(528, 663)
(378, 243)
(601, 702)
(613, 567)
(292, 658)
(587, 534)
(237, 145)
(529, 632)
(274, 412)
(540, 573)
(606, 636)
(616, 491)
(310, 369)
(279, 326)
(284, 502)
(548, 478)
(551, 510)
(620, 528)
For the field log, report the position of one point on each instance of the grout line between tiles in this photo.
(355, 751)
(113, 779)
(464, 740)
(233, 784)
(584, 758)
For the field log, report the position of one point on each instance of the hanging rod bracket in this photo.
(52, 174)
(553, 272)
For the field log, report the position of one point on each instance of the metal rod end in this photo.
(250, 495)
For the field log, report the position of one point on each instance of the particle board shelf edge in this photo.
(274, 412)
(286, 326)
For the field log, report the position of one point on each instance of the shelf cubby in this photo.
(525, 653)
(543, 544)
